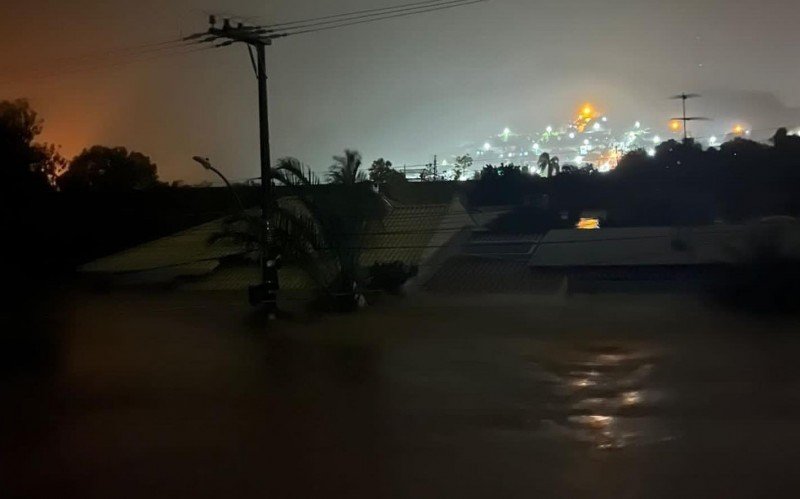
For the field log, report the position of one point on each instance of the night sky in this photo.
(402, 89)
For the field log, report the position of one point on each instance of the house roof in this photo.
(187, 251)
(406, 233)
(475, 274)
(639, 246)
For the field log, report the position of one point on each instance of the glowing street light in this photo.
(674, 125)
(549, 129)
(656, 139)
(738, 129)
(651, 152)
(572, 135)
(487, 146)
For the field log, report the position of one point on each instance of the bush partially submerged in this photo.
(766, 278)
(390, 276)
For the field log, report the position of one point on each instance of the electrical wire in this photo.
(314, 23)
(346, 14)
(374, 19)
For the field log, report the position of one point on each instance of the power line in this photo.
(346, 14)
(393, 10)
(374, 19)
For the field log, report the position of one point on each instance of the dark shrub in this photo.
(390, 276)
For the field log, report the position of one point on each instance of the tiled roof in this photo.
(402, 234)
(189, 247)
(473, 274)
(639, 246)
(407, 233)
(412, 233)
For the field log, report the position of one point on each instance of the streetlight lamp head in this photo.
(203, 161)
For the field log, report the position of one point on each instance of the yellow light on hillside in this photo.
(738, 129)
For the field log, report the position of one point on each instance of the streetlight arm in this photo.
(207, 165)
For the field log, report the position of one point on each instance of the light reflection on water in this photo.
(604, 397)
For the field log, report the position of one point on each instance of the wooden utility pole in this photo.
(258, 38)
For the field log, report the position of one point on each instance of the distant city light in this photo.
(674, 126)
(578, 159)
(596, 126)
(712, 140)
(535, 147)
(651, 152)
(506, 131)
(572, 135)
(656, 139)
(586, 142)
(549, 129)
(738, 129)
(638, 124)
(487, 146)
(604, 119)
(747, 132)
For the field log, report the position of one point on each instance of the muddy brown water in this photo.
(179, 395)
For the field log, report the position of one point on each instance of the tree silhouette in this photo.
(382, 172)
(320, 229)
(101, 168)
(549, 165)
(28, 166)
(461, 165)
(346, 169)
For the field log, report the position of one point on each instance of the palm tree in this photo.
(318, 229)
(544, 163)
(548, 164)
(555, 166)
(345, 169)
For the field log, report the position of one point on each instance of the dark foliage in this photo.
(381, 172)
(766, 278)
(390, 276)
(109, 169)
(500, 185)
(682, 184)
(529, 219)
(26, 167)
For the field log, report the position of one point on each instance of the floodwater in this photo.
(181, 395)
